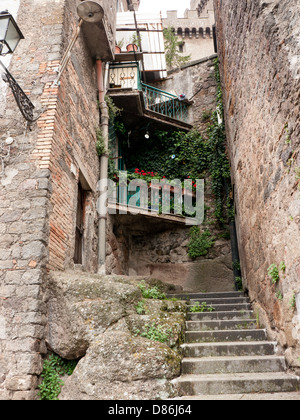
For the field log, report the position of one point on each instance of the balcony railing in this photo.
(128, 76)
(125, 76)
(164, 103)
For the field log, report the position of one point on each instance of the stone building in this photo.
(194, 30)
(49, 177)
(260, 77)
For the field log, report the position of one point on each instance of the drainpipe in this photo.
(103, 171)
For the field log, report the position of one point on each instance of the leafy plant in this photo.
(113, 110)
(100, 144)
(53, 368)
(201, 308)
(154, 332)
(279, 295)
(292, 301)
(282, 266)
(173, 57)
(239, 283)
(236, 265)
(200, 243)
(140, 308)
(149, 292)
(273, 272)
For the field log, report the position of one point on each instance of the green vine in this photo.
(173, 57)
(178, 155)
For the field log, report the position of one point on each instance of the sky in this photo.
(164, 5)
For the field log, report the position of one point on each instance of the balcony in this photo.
(139, 100)
(125, 76)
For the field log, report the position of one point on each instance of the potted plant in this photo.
(117, 49)
(132, 47)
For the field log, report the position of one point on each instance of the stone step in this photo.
(212, 295)
(220, 315)
(227, 307)
(218, 301)
(225, 335)
(236, 383)
(220, 325)
(242, 364)
(256, 348)
(278, 396)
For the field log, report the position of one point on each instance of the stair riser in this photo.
(245, 349)
(222, 336)
(237, 386)
(220, 325)
(232, 366)
(208, 316)
(225, 308)
(229, 301)
(217, 295)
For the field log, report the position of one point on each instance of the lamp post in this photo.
(10, 34)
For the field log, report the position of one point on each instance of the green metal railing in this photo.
(164, 103)
(128, 76)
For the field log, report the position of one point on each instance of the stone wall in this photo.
(259, 54)
(39, 184)
(197, 81)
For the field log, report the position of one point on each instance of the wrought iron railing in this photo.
(124, 76)
(164, 103)
(128, 76)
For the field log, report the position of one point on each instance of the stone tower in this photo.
(195, 29)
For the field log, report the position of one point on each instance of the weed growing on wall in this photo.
(53, 369)
(155, 332)
(149, 292)
(200, 242)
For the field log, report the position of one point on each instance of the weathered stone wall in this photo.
(39, 186)
(259, 54)
(197, 81)
(25, 191)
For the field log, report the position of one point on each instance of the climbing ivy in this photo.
(173, 57)
(178, 155)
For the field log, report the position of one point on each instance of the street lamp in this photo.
(10, 34)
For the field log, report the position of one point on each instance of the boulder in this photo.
(93, 318)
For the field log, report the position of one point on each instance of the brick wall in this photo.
(258, 47)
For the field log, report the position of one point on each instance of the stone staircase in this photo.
(227, 356)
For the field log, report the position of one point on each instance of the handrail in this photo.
(165, 103)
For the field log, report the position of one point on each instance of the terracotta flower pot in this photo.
(117, 50)
(132, 47)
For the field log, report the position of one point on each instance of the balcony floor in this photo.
(136, 114)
